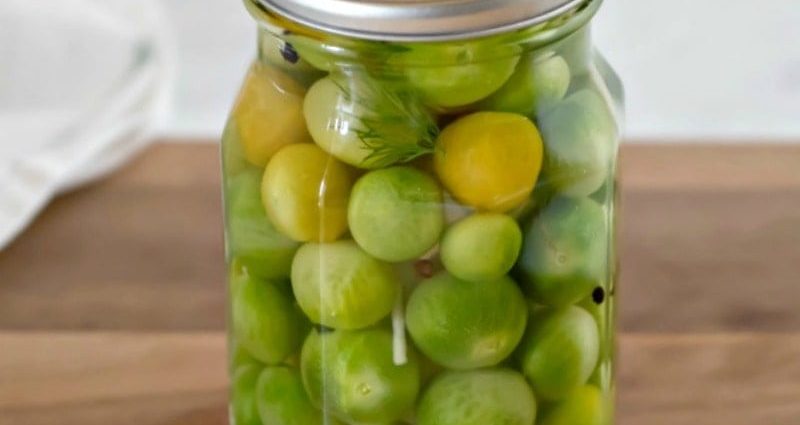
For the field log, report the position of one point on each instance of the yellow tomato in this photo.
(269, 113)
(490, 160)
(305, 192)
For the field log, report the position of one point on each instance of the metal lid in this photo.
(418, 20)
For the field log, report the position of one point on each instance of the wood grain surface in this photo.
(112, 303)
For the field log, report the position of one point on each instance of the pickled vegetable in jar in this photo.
(420, 200)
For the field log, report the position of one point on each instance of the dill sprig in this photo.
(388, 118)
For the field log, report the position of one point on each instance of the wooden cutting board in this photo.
(112, 303)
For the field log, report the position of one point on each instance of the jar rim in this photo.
(418, 20)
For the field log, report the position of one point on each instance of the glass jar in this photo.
(420, 215)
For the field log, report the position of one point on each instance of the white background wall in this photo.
(693, 69)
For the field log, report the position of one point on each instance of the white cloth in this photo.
(83, 85)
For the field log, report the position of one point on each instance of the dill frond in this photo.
(388, 119)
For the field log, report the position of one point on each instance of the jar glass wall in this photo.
(423, 232)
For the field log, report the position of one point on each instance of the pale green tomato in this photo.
(478, 397)
(368, 122)
(580, 138)
(351, 374)
(539, 82)
(559, 351)
(586, 405)
(565, 251)
(481, 247)
(266, 321)
(340, 286)
(396, 213)
(252, 239)
(330, 120)
(462, 324)
(282, 400)
(454, 75)
(243, 395)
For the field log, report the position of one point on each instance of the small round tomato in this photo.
(305, 192)
(481, 247)
(539, 82)
(463, 324)
(396, 213)
(243, 395)
(352, 375)
(490, 160)
(269, 113)
(564, 253)
(559, 351)
(265, 320)
(340, 286)
(478, 397)
(457, 75)
(585, 406)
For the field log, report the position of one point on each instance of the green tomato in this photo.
(538, 83)
(462, 324)
(340, 286)
(481, 247)
(351, 374)
(252, 239)
(565, 251)
(266, 321)
(478, 397)
(586, 405)
(580, 137)
(559, 351)
(282, 400)
(396, 214)
(243, 395)
(454, 75)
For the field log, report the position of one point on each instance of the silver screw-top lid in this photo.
(415, 20)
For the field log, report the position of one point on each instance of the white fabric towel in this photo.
(83, 86)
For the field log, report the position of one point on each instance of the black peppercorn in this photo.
(598, 295)
(289, 53)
